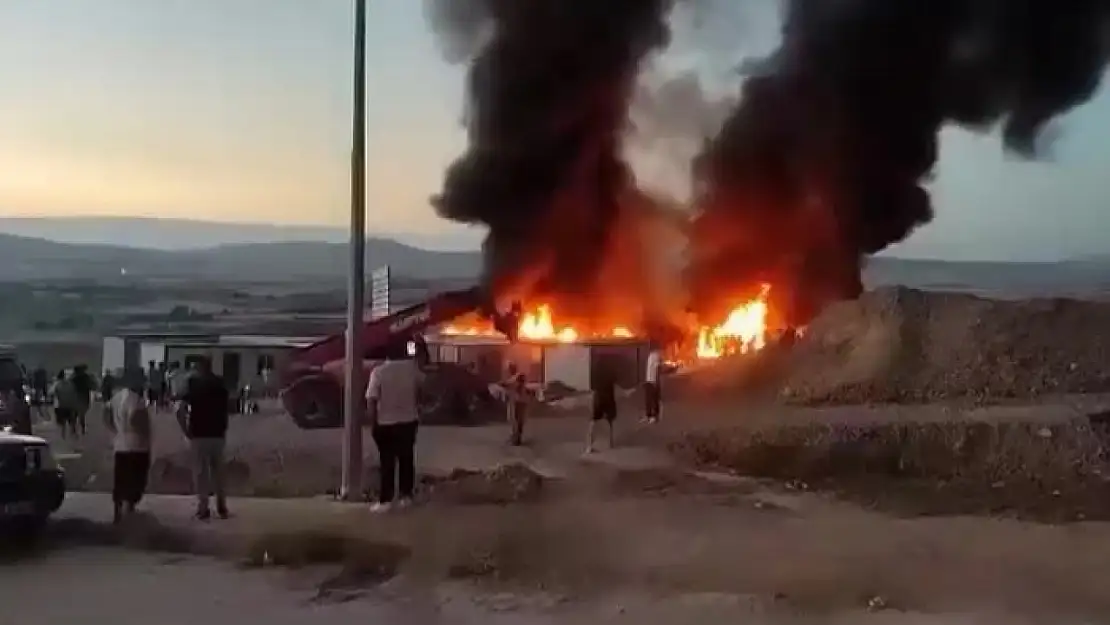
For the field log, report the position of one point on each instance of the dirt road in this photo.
(747, 553)
(132, 588)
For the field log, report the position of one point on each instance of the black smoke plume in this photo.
(823, 161)
(548, 88)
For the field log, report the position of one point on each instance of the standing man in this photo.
(603, 382)
(65, 404)
(391, 409)
(163, 386)
(154, 383)
(203, 415)
(516, 400)
(40, 385)
(512, 390)
(83, 386)
(652, 396)
(266, 375)
(127, 417)
(107, 387)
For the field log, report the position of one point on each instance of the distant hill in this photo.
(996, 279)
(191, 234)
(1092, 259)
(25, 258)
(262, 253)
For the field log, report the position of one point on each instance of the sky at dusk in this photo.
(239, 110)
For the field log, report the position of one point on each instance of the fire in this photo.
(744, 330)
(539, 324)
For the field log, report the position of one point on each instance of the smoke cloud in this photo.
(822, 162)
(548, 90)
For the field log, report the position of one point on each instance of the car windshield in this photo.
(11, 375)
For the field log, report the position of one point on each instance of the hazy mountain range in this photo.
(189, 234)
(106, 248)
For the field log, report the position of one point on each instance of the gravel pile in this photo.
(901, 345)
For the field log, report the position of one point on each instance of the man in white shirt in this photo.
(652, 395)
(127, 417)
(391, 409)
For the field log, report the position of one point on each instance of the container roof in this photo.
(247, 340)
(489, 340)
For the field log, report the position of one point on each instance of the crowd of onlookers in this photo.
(197, 396)
(67, 396)
(202, 404)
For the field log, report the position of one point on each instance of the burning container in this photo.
(545, 362)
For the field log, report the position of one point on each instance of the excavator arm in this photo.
(311, 381)
(378, 335)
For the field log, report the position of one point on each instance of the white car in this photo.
(32, 485)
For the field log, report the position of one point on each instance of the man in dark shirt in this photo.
(603, 383)
(40, 384)
(107, 387)
(84, 385)
(40, 381)
(204, 418)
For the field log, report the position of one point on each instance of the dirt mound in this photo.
(1045, 471)
(506, 484)
(902, 345)
(982, 451)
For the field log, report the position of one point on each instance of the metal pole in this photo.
(354, 385)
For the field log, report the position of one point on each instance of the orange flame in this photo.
(539, 325)
(744, 330)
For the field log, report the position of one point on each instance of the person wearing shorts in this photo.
(603, 383)
(127, 418)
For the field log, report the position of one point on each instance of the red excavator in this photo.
(312, 380)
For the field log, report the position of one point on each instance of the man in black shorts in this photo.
(603, 383)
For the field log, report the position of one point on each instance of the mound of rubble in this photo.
(901, 345)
